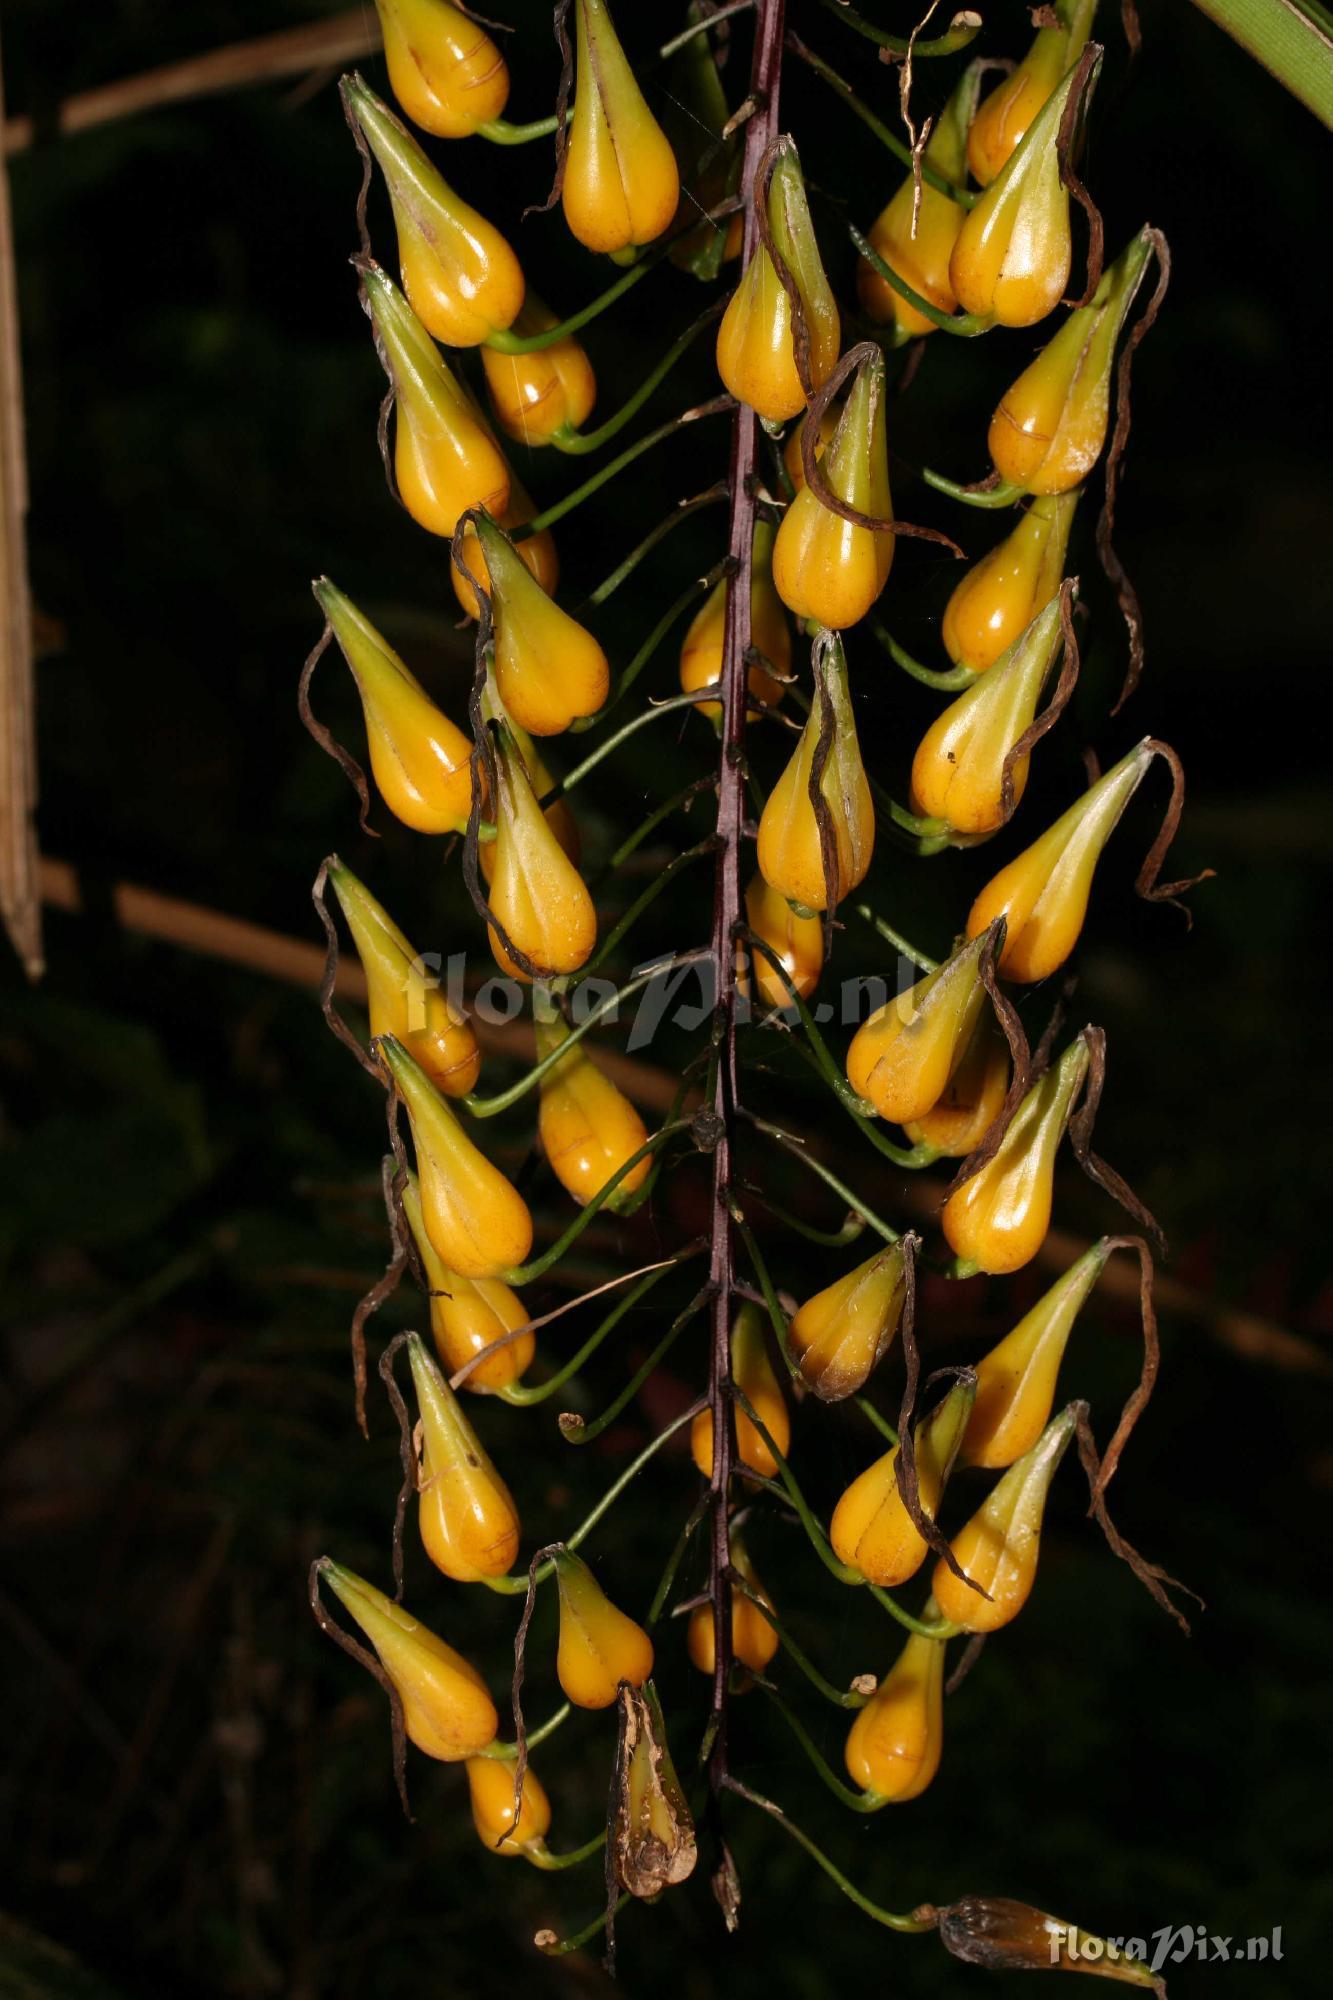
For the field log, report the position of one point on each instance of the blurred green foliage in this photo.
(196, 1795)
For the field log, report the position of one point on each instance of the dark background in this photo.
(197, 1795)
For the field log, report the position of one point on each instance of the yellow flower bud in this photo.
(1013, 252)
(491, 1784)
(972, 1097)
(461, 278)
(790, 857)
(445, 458)
(468, 1521)
(446, 71)
(921, 254)
(557, 814)
(826, 568)
(756, 351)
(843, 1332)
(753, 1639)
(535, 395)
(548, 670)
(792, 457)
(798, 942)
(1016, 1380)
(998, 1218)
(467, 1314)
(701, 652)
(1007, 112)
(998, 1548)
(588, 1128)
(447, 1710)
(536, 892)
(1001, 595)
(871, 1528)
(902, 1058)
(406, 1000)
(754, 1375)
(1043, 893)
(894, 1746)
(599, 1646)
(537, 551)
(1049, 429)
(621, 183)
(478, 1223)
(651, 1835)
(421, 762)
(958, 770)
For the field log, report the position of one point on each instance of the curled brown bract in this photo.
(391, 1177)
(560, 24)
(365, 1658)
(1055, 707)
(1146, 883)
(482, 761)
(1022, 1078)
(1080, 1138)
(865, 350)
(1066, 142)
(516, 1693)
(1138, 1400)
(1116, 573)
(819, 805)
(325, 738)
(407, 1452)
(1155, 1580)
(904, 1468)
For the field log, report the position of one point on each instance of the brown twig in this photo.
(20, 901)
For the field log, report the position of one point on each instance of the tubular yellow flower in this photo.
(843, 1332)
(797, 941)
(701, 651)
(754, 1375)
(536, 892)
(871, 1528)
(998, 1548)
(1013, 252)
(826, 568)
(753, 1639)
(461, 278)
(894, 1746)
(599, 1646)
(1007, 112)
(902, 1058)
(446, 72)
(421, 762)
(557, 814)
(467, 1314)
(478, 1223)
(621, 182)
(1016, 1380)
(958, 770)
(548, 669)
(536, 395)
(447, 1710)
(1001, 595)
(468, 1521)
(998, 1218)
(445, 458)
(1050, 426)
(756, 352)
(588, 1128)
(790, 857)
(491, 1784)
(405, 999)
(972, 1097)
(1043, 893)
(921, 255)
